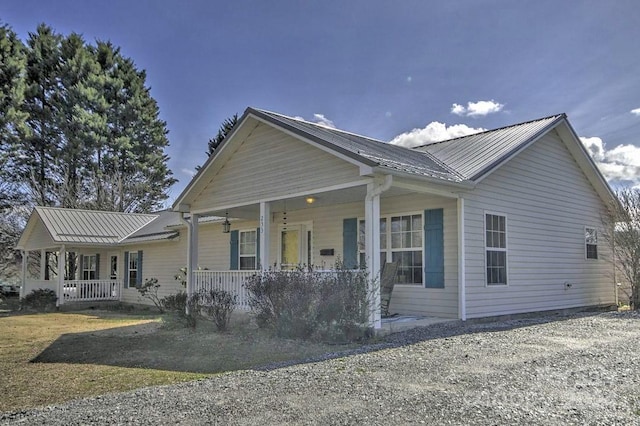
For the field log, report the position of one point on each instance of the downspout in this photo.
(462, 269)
(23, 287)
(189, 274)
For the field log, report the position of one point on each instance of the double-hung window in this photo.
(496, 249)
(89, 266)
(400, 241)
(247, 250)
(591, 242)
(133, 268)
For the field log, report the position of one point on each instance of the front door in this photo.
(113, 266)
(295, 246)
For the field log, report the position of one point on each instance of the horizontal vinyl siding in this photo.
(39, 237)
(548, 202)
(160, 260)
(270, 163)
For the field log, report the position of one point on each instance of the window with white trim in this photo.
(247, 250)
(496, 249)
(89, 263)
(400, 241)
(133, 268)
(591, 242)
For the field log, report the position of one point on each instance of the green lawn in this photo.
(55, 357)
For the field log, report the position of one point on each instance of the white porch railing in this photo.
(231, 281)
(91, 290)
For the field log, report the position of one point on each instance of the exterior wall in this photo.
(327, 225)
(548, 202)
(261, 167)
(39, 237)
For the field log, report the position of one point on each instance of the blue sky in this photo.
(406, 71)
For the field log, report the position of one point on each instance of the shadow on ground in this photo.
(155, 346)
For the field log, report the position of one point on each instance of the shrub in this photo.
(149, 290)
(176, 303)
(40, 299)
(193, 310)
(218, 305)
(311, 305)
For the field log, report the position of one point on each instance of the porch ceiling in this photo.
(323, 199)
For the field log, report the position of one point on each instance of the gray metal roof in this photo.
(156, 229)
(89, 226)
(474, 155)
(366, 150)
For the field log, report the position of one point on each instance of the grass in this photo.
(50, 358)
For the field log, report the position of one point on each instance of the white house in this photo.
(501, 222)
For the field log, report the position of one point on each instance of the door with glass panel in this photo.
(295, 246)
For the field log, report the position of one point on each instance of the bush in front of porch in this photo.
(314, 305)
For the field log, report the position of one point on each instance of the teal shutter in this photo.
(350, 243)
(434, 248)
(139, 274)
(80, 276)
(126, 269)
(234, 255)
(97, 266)
(258, 248)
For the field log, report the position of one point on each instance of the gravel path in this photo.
(579, 369)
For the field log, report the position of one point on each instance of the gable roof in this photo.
(83, 227)
(462, 161)
(475, 155)
(366, 150)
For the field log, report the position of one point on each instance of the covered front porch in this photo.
(417, 227)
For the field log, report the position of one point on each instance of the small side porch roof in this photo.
(52, 226)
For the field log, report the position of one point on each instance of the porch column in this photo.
(372, 251)
(462, 297)
(62, 254)
(265, 228)
(43, 264)
(23, 287)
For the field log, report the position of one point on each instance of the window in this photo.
(247, 250)
(89, 267)
(406, 247)
(133, 268)
(496, 249)
(591, 243)
(400, 241)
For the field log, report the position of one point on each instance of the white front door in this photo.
(295, 243)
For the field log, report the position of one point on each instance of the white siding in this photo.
(39, 237)
(270, 163)
(548, 202)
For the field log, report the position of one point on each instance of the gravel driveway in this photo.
(579, 369)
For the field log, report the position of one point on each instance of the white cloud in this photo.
(477, 109)
(189, 172)
(636, 112)
(620, 164)
(433, 132)
(323, 121)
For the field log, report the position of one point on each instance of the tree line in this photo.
(78, 126)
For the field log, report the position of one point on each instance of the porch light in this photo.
(226, 225)
(310, 200)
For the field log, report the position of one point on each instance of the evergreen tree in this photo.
(223, 131)
(12, 65)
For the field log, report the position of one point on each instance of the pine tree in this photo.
(223, 131)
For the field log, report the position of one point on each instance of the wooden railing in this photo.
(91, 290)
(231, 281)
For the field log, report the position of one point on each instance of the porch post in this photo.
(462, 298)
(43, 263)
(23, 287)
(61, 264)
(265, 228)
(192, 251)
(372, 251)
